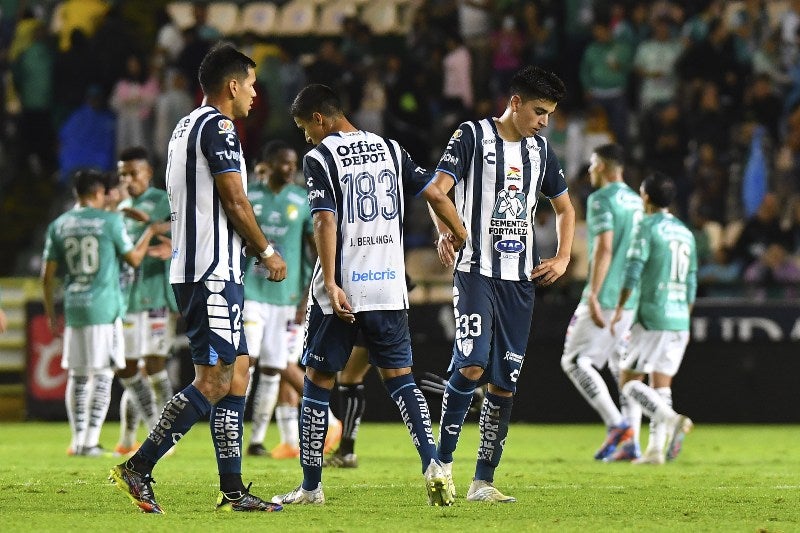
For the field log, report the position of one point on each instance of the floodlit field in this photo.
(728, 478)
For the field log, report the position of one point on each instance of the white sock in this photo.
(100, 400)
(162, 388)
(286, 418)
(142, 396)
(128, 420)
(651, 401)
(76, 400)
(659, 430)
(593, 388)
(632, 412)
(263, 405)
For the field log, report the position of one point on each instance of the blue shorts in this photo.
(213, 313)
(493, 321)
(329, 339)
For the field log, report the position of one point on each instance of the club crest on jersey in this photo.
(292, 212)
(225, 126)
(466, 347)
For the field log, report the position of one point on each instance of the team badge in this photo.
(466, 347)
(292, 212)
(225, 125)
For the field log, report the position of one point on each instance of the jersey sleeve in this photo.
(458, 153)
(415, 178)
(119, 235)
(691, 278)
(52, 248)
(638, 254)
(553, 182)
(599, 217)
(220, 145)
(320, 191)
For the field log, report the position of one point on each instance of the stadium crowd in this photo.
(704, 91)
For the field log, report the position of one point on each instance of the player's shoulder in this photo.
(296, 194)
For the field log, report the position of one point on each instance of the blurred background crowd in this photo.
(707, 91)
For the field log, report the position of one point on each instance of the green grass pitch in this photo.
(728, 478)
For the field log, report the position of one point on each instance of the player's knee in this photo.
(569, 362)
(473, 373)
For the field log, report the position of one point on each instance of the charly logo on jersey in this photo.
(509, 246)
(225, 125)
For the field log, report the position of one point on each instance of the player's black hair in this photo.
(316, 98)
(272, 148)
(134, 153)
(612, 153)
(87, 181)
(222, 63)
(534, 83)
(660, 188)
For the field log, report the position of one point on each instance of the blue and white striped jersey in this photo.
(204, 242)
(362, 177)
(497, 186)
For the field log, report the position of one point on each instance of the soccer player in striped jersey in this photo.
(213, 228)
(356, 184)
(613, 211)
(85, 245)
(499, 166)
(662, 263)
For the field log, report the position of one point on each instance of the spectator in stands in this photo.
(32, 70)
(132, 100)
(457, 70)
(507, 46)
(665, 144)
(760, 232)
(169, 39)
(763, 104)
(86, 140)
(73, 74)
(83, 15)
(655, 65)
(604, 69)
(172, 104)
(541, 36)
(708, 181)
(707, 121)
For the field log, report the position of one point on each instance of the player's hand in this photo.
(162, 250)
(300, 313)
(446, 249)
(549, 270)
(276, 267)
(340, 304)
(3, 321)
(596, 312)
(617, 317)
(136, 214)
(161, 228)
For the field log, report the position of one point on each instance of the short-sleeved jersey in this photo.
(148, 290)
(616, 208)
(362, 178)
(497, 186)
(203, 144)
(662, 260)
(285, 219)
(87, 244)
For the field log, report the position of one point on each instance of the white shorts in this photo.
(655, 351)
(585, 339)
(94, 347)
(272, 334)
(148, 333)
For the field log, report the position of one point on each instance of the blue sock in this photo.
(455, 404)
(313, 427)
(177, 418)
(227, 426)
(495, 416)
(416, 415)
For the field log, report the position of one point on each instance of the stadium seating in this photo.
(224, 16)
(259, 18)
(297, 17)
(181, 13)
(382, 16)
(332, 14)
